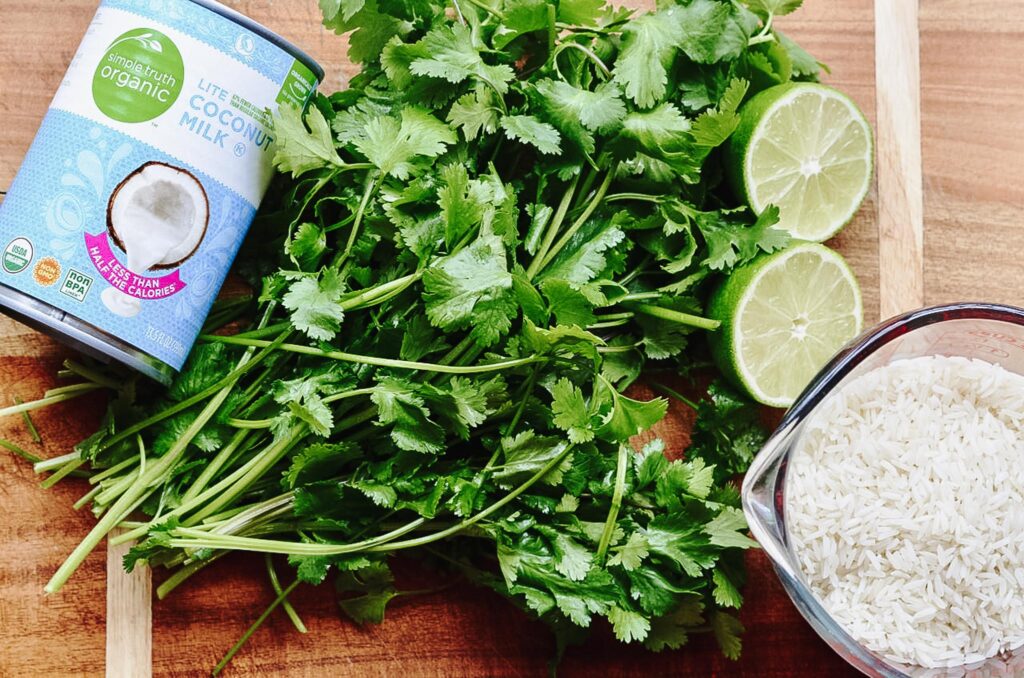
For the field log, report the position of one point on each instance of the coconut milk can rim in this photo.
(264, 33)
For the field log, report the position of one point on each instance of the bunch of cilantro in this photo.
(514, 208)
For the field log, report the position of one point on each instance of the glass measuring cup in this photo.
(989, 332)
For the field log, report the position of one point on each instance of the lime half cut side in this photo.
(783, 317)
(807, 149)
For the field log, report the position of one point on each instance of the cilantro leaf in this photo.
(314, 304)
(670, 631)
(714, 126)
(571, 412)
(648, 49)
(803, 63)
(400, 407)
(527, 453)
(393, 146)
(726, 529)
(714, 31)
(374, 589)
(580, 12)
(628, 626)
(307, 245)
(474, 113)
(767, 8)
(726, 593)
(472, 289)
(631, 554)
(628, 417)
(299, 150)
(598, 110)
(727, 630)
(449, 54)
(530, 130)
(461, 204)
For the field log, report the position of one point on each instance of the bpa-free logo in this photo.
(245, 45)
(139, 77)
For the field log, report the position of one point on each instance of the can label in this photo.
(147, 171)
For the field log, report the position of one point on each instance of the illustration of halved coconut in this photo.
(158, 216)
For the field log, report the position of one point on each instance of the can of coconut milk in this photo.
(144, 177)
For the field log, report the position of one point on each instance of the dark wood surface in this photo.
(462, 631)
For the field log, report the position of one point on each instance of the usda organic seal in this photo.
(17, 255)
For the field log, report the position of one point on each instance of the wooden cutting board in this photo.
(942, 223)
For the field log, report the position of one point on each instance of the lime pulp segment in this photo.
(794, 315)
(810, 154)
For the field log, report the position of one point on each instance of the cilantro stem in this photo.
(52, 397)
(618, 349)
(473, 520)
(184, 572)
(252, 629)
(672, 393)
(372, 183)
(267, 458)
(93, 375)
(642, 197)
(678, 317)
(54, 462)
(456, 352)
(251, 424)
(32, 431)
(590, 55)
(191, 538)
(228, 380)
(141, 488)
(66, 390)
(213, 468)
(285, 603)
(63, 473)
(195, 502)
(552, 230)
(486, 8)
(24, 454)
(188, 538)
(379, 293)
(613, 511)
(581, 29)
(611, 320)
(383, 362)
(112, 471)
(261, 332)
(765, 34)
(581, 219)
(458, 12)
(86, 498)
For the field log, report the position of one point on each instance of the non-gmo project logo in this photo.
(139, 77)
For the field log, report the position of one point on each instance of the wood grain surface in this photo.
(973, 164)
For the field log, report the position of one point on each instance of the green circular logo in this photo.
(139, 77)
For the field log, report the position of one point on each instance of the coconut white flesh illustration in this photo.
(158, 215)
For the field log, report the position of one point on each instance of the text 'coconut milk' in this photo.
(146, 173)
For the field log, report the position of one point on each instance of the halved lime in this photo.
(806, 148)
(783, 317)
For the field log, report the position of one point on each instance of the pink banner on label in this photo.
(132, 284)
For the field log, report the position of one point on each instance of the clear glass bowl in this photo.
(989, 332)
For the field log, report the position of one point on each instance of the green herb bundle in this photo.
(513, 209)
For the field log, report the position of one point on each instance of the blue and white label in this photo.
(147, 171)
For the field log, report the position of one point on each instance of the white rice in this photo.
(905, 507)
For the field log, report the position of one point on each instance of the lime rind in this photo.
(822, 182)
(732, 305)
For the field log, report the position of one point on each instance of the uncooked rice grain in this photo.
(905, 509)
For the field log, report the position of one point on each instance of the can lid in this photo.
(264, 33)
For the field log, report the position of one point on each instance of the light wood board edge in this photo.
(129, 616)
(898, 149)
